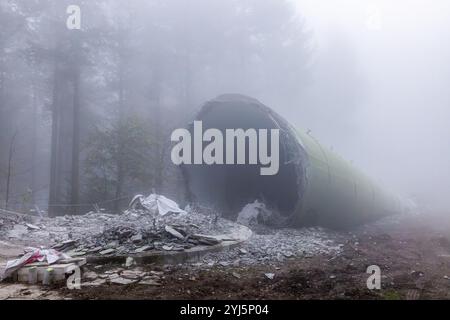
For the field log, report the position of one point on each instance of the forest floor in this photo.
(413, 253)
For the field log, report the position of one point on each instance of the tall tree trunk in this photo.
(120, 149)
(8, 177)
(2, 82)
(54, 168)
(158, 130)
(75, 179)
(34, 142)
(120, 177)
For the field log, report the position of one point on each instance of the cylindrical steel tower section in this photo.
(314, 186)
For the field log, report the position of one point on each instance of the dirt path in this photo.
(413, 255)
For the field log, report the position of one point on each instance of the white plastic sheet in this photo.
(158, 204)
(253, 213)
(249, 214)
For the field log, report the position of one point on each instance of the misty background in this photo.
(86, 115)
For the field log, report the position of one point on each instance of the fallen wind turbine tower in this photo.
(314, 186)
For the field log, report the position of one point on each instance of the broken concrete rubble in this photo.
(120, 276)
(90, 276)
(136, 238)
(120, 280)
(143, 248)
(32, 226)
(174, 232)
(18, 231)
(129, 262)
(134, 232)
(273, 246)
(132, 274)
(107, 251)
(270, 276)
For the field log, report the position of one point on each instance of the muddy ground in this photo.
(412, 252)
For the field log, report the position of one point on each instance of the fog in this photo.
(86, 115)
(380, 94)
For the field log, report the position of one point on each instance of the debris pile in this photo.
(8, 220)
(157, 224)
(154, 223)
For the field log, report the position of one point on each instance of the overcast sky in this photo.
(381, 95)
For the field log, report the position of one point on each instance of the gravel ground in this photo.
(412, 252)
(274, 246)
